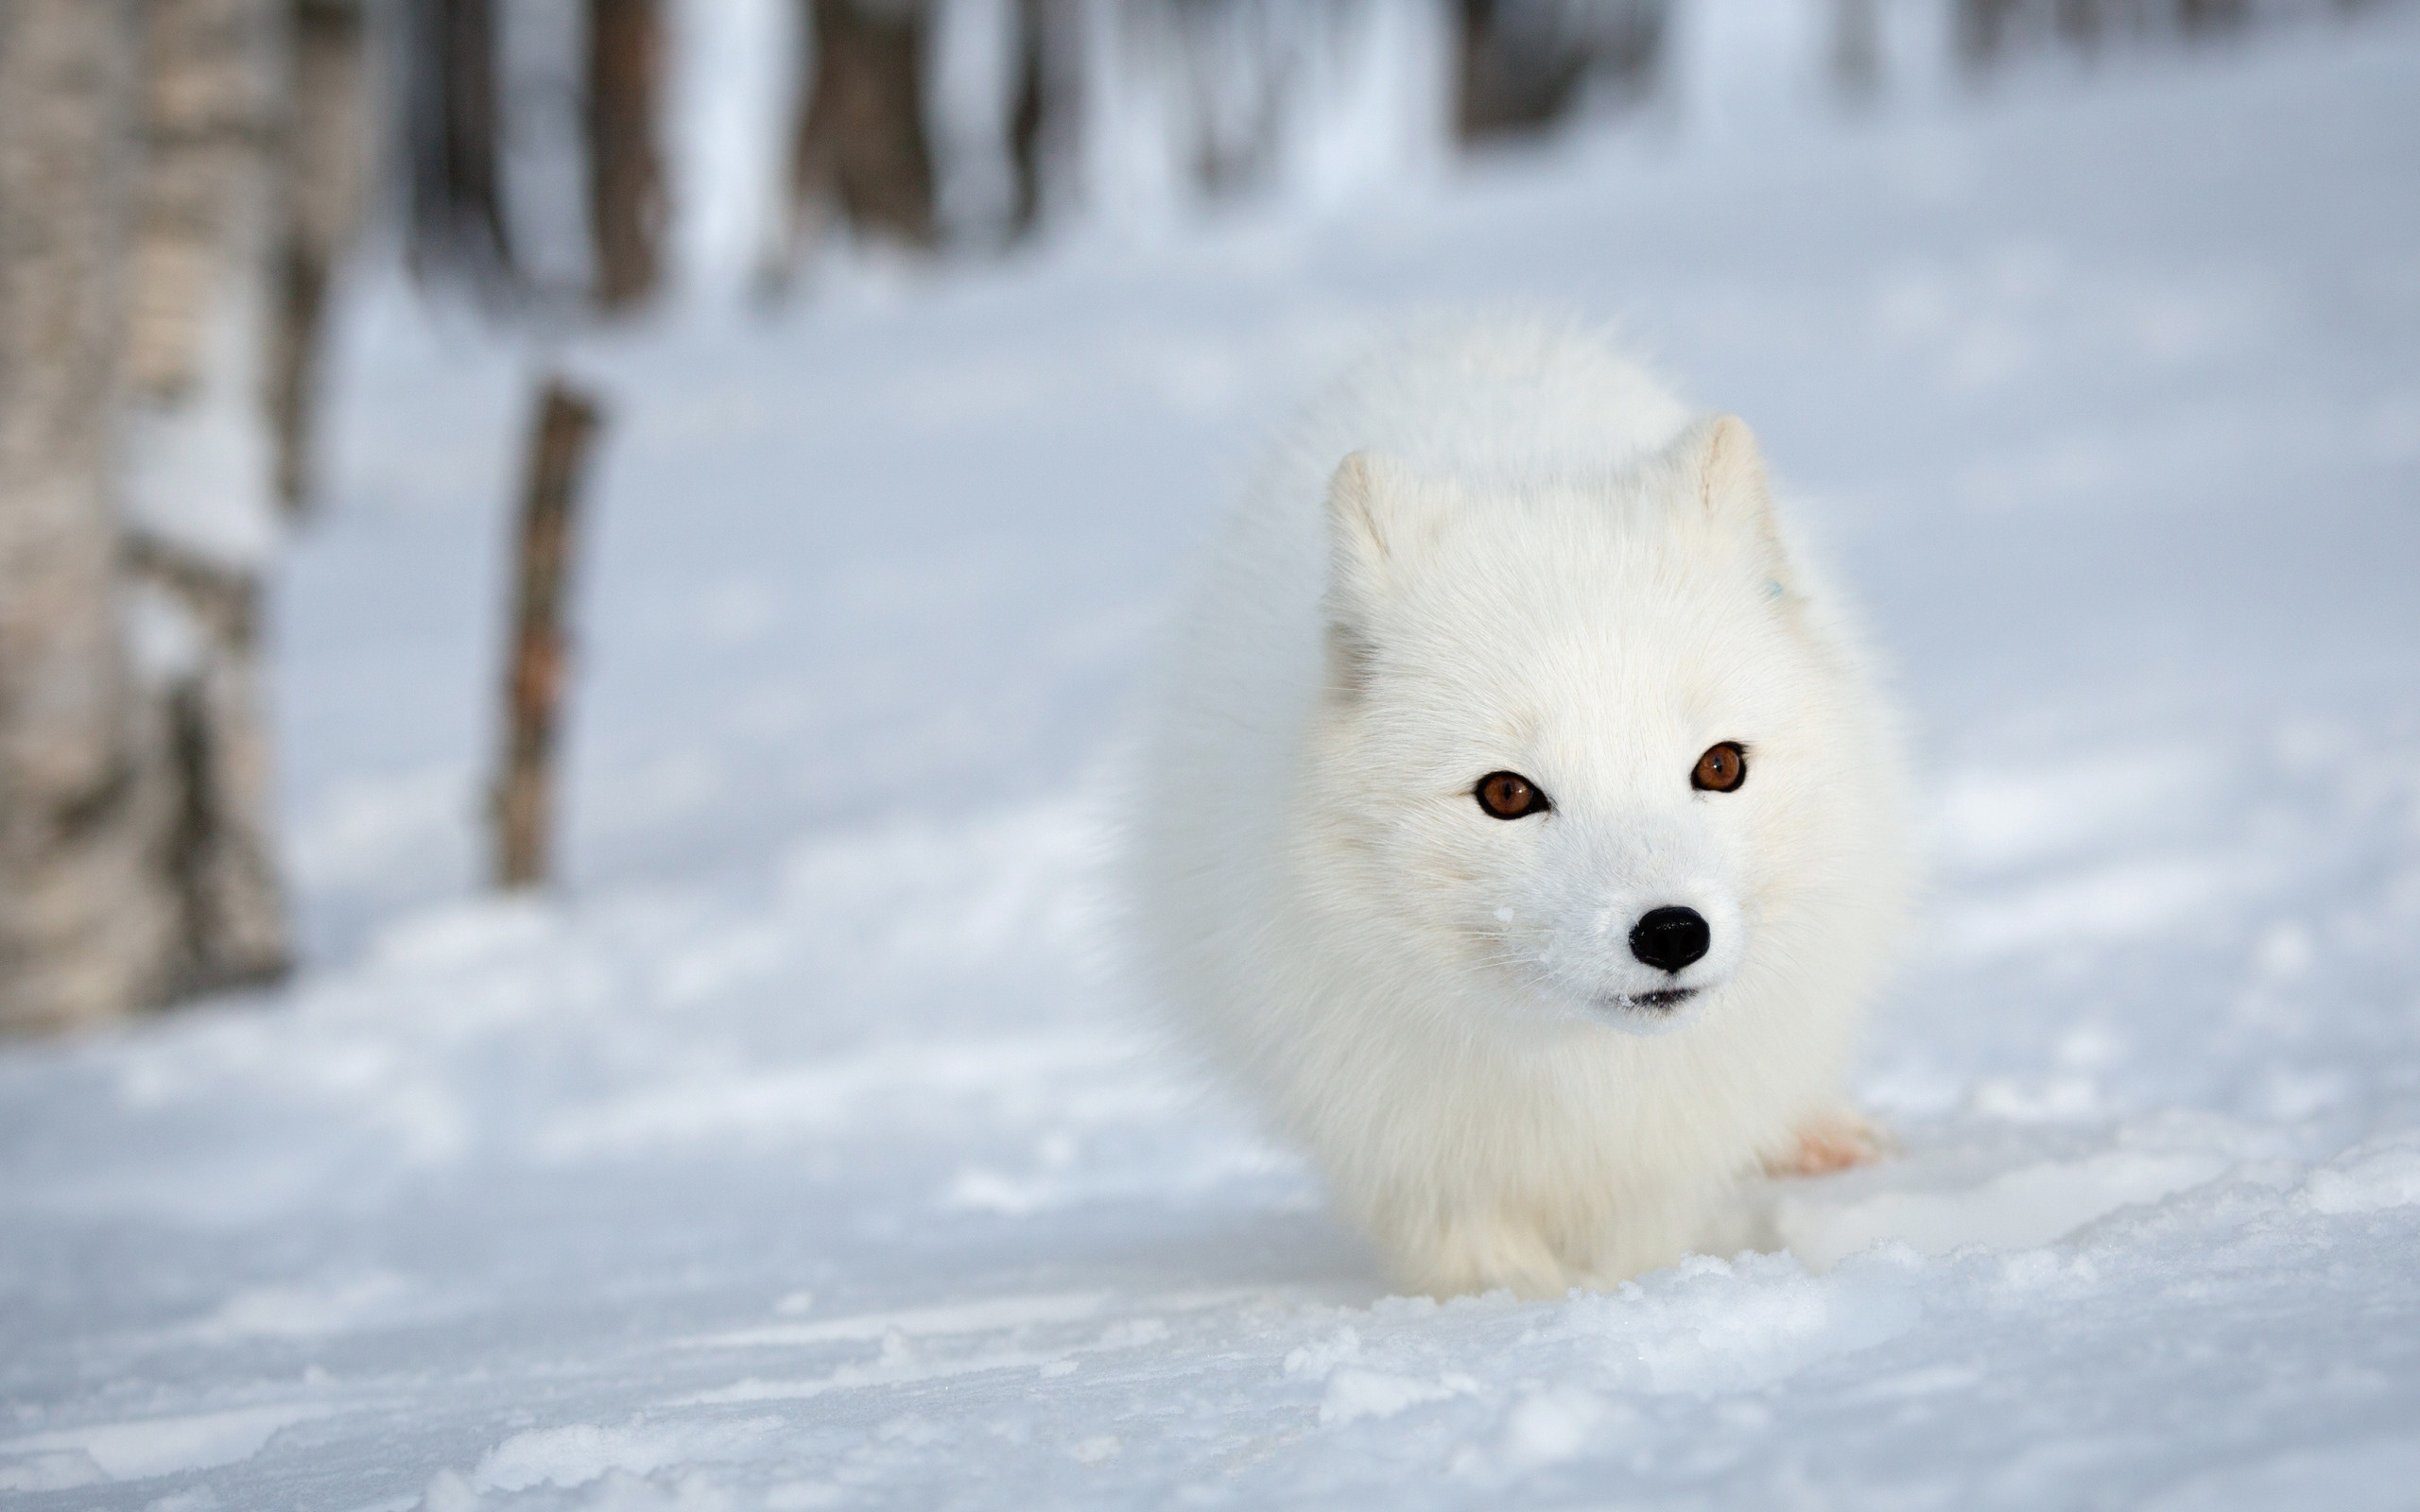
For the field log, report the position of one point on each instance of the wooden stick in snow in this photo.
(523, 797)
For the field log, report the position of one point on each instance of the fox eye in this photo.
(1721, 768)
(1510, 796)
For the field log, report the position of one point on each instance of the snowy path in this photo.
(803, 1157)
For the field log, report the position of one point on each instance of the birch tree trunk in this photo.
(201, 494)
(85, 914)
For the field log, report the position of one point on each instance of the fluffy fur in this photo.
(1509, 549)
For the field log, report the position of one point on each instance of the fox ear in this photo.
(1363, 499)
(1731, 466)
(1370, 526)
(1725, 468)
(1367, 533)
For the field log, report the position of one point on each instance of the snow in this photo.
(806, 1151)
(200, 478)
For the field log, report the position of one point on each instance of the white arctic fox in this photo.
(1517, 821)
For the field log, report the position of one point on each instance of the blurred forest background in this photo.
(186, 183)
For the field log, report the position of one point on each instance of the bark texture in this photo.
(565, 426)
(626, 204)
(85, 915)
(210, 246)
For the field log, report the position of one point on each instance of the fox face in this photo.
(1565, 746)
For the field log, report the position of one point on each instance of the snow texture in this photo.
(801, 1153)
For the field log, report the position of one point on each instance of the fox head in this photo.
(1580, 748)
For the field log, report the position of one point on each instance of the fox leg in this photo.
(1470, 1252)
(1835, 1139)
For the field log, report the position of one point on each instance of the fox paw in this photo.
(1835, 1140)
(1472, 1253)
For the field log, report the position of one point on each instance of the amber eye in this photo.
(1720, 770)
(1510, 796)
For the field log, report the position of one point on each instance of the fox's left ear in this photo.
(1726, 470)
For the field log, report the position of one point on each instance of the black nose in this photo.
(1669, 938)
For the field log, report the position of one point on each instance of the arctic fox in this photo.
(1517, 821)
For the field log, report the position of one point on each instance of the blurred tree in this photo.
(468, 188)
(154, 364)
(625, 196)
(450, 128)
(860, 154)
(507, 185)
(524, 796)
(1237, 60)
(200, 482)
(1991, 32)
(1524, 62)
(1042, 107)
(85, 913)
(328, 189)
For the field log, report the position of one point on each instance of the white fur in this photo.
(1535, 561)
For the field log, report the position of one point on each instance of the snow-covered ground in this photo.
(803, 1153)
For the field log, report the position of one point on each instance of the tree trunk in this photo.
(1518, 71)
(201, 492)
(84, 915)
(1525, 63)
(540, 660)
(861, 147)
(626, 210)
(1234, 60)
(328, 169)
(451, 118)
(1030, 113)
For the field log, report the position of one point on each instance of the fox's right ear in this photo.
(1368, 530)
(1362, 532)
(1726, 470)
